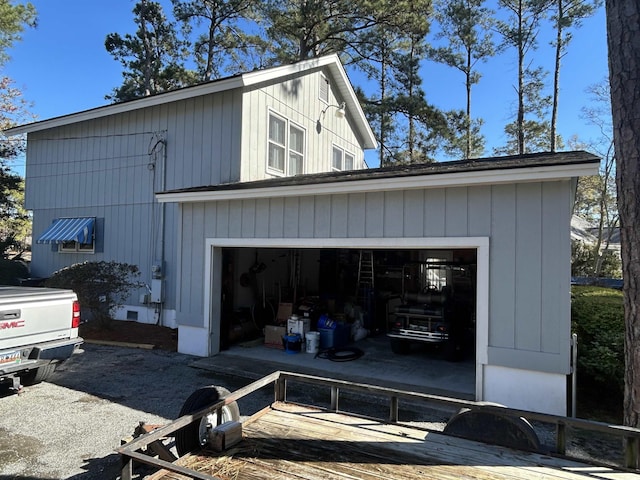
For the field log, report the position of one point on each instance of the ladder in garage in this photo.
(365, 276)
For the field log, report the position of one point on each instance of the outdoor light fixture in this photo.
(341, 112)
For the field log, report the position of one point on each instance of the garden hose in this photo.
(345, 354)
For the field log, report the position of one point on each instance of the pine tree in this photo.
(520, 31)
(465, 26)
(13, 20)
(153, 58)
(568, 14)
(374, 59)
(222, 44)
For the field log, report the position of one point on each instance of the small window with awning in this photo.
(71, 234)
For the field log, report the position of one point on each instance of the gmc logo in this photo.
(11, 324)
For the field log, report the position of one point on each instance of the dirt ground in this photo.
(134, 333)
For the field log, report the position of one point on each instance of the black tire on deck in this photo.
(37, 375)
(188, 438)
(493, 427)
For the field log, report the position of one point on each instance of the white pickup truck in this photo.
(38, 330)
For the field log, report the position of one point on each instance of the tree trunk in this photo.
(383, 109)
(521, 49)
(147, 69)
(556, 76)
(467, 152)
(623, 37)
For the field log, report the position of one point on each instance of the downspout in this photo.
(159, 140)
(163, 183)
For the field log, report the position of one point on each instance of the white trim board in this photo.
(473, 178)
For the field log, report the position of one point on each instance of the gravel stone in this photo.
(70, 426)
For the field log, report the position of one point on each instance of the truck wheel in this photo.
(189, 438)
(38, 375)
(400, 347)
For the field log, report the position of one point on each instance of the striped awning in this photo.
(69, 230)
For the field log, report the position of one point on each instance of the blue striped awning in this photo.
(69, 230)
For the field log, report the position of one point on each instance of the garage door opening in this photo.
(412, 310)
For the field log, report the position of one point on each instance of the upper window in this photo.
(341, 159)
(286, 147)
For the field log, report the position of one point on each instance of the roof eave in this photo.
(239, 81)
(117, 108)
(456, 179)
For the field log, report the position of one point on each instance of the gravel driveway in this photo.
(69, 427)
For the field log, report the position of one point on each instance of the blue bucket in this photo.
(292, 343)
(325, 322)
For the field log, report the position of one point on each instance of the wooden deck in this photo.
(290, 441)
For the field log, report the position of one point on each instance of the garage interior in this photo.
(403, 316)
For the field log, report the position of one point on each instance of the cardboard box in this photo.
(284, 312)
(300, 325)
(273, 336)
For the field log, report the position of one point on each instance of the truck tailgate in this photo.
(35, 315)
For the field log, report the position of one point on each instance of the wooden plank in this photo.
(289, 441)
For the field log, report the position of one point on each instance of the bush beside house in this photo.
(12, 271)
(597, 317)
(100, 286)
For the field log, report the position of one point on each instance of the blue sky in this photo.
(62, 67)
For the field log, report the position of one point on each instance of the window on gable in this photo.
(286, 147)
(296, 150)
(349, 161)
(337, 158)
(277, 145)
(323, 94)
(341, 159)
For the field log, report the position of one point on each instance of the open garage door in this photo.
(414, 309)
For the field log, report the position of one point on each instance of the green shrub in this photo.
(11, 271)
(100, 286)
(597, 317)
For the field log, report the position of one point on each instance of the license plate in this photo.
(8, 358)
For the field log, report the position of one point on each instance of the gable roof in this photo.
(331, 62)
(484, 171)
(580, 230)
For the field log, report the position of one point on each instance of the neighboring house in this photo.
(198, 188)
(583, 231)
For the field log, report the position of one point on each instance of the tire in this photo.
(188, 438)
(37, 375)
(400, 347)
(493, 427)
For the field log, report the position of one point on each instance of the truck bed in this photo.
(291, 441)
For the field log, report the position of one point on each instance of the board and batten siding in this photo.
(527, 225)
(295, 99)
(103, 168)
